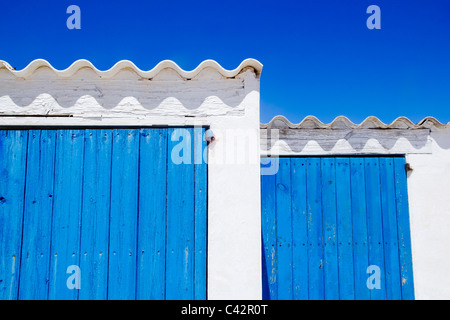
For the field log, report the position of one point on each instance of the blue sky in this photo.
(319, 57)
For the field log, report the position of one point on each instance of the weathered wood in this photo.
(96, 199)
(124, 214)
(348, 141)
(180, 248)
(200, 223)
(37, 225)
(13, 155)
(404, 233)
(151, 276)
(391, 256)
(299, 229)
(345, 210)
(359, 225)
(66, 220)
(95, 214)
(123, 97)
(375, 224)
(284, 230)
(344, 229)
(330, 237)
(269, 235)
(315, 235)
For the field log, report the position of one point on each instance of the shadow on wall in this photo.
(442, 138)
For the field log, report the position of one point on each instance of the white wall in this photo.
(234, 206)
(429, 203)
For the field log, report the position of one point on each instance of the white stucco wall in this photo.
(226, 101)
(234, 206)
(429, 204)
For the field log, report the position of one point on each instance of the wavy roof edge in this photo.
(126, 64)
(342, 122)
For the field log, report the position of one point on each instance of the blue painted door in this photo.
(103, 214)
(336, 228)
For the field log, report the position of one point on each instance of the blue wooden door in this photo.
(336, 228)
(109, 205)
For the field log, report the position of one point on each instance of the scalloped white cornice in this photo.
(29, 70)
(342, 122)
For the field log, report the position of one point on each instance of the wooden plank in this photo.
(269, 234)
(123, 218)
(152, 214)
(375, 225)
(300, 229)
(35, 264)
(95, 214)
(389, 212)
(145, 104)
(331, 267)
(284, 230)
(360, 246)
(344, 227)
(404, 236)
(13, 146)
(200, 224)
(66, 219)
(350, 141)
(180, 218)
(315, 240)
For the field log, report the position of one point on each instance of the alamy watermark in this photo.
(225, 147)
(74, 280)
(74, 20)
(374, 20)
(374, 280)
